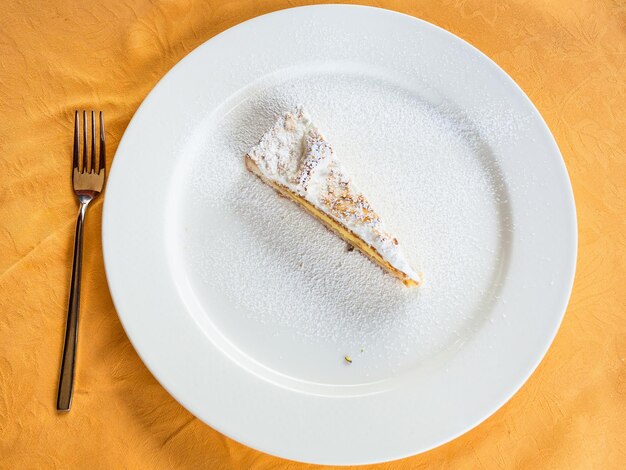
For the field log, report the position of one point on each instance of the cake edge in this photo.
(345, 233)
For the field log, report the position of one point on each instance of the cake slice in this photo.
(297, 161)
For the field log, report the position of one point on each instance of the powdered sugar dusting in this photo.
(426, 166)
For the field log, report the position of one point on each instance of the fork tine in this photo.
(76, 131)
(92, 164)
(84, 141)
(102, 157)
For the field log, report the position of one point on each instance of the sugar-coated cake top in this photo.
(295, 154)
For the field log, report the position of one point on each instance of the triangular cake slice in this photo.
(294, 158)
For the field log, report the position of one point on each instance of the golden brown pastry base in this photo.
(333, 225)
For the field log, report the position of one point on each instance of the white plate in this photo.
(243, 307)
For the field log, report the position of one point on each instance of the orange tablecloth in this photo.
(569, 57)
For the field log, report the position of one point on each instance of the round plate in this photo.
(245, 308)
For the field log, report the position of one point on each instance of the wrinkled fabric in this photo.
(569, 57)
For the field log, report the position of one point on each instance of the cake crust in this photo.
(333, 225)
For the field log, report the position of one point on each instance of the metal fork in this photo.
(88, 180)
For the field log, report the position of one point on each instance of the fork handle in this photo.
(66, 378)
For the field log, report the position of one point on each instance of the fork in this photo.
(88, 181)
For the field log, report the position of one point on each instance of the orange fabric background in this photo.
(568, 56)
